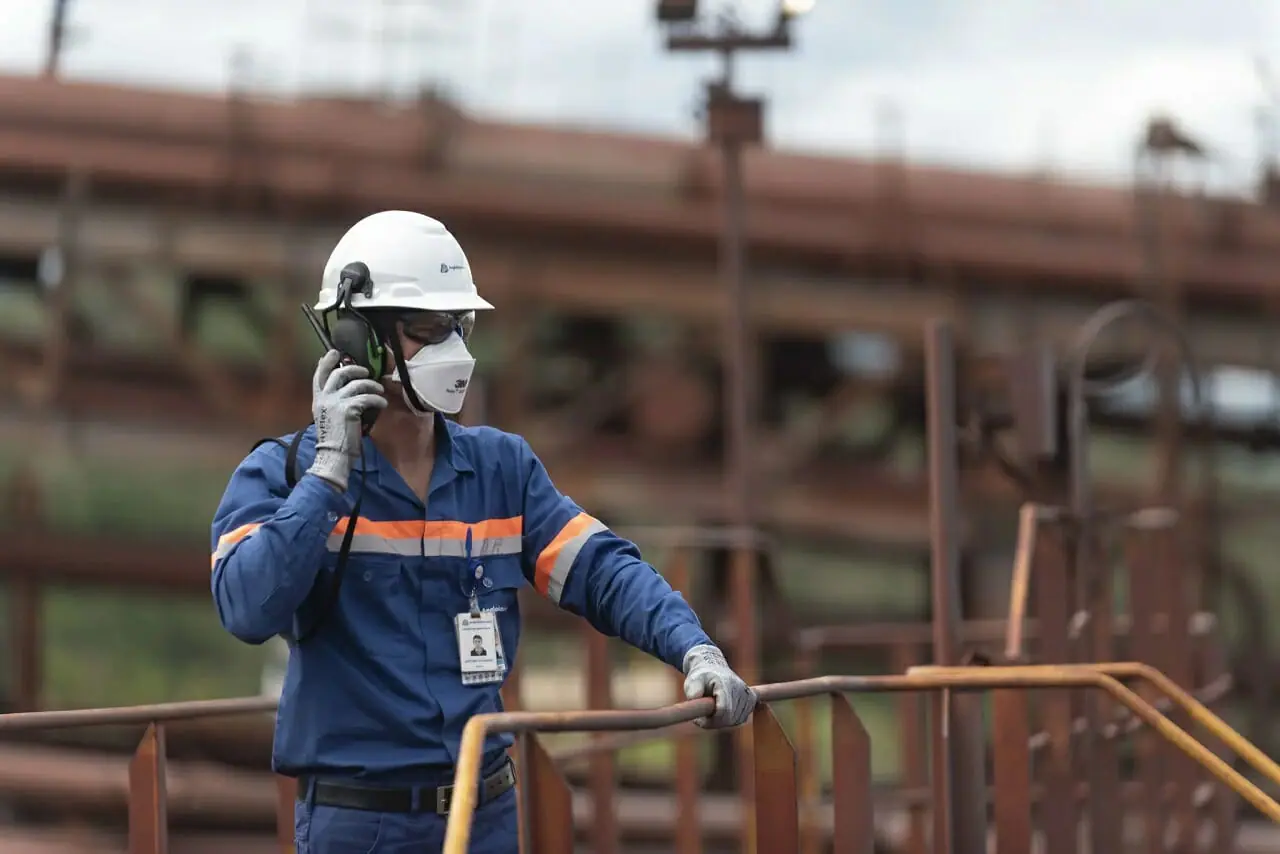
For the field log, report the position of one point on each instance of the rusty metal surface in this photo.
(492, 172)
(603, 771)
(780, 761)
(286, 797)
(922, 679)
(93, 784)
(854, 825)
(777, 814)
(958, 734)
(148, 795)
(31, 840)
(688, 785)
(145, 715)
(1072, 595)
(1011, 772)
(546, 804)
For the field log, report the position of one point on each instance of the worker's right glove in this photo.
(339, 397)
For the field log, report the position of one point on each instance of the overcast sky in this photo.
(1007, 84)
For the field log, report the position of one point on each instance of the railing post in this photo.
(148, 813)
(688, 832)
(777, 813)
(911, 740)
(603, 773)
(286, 797)
(1148, 627)
(958, 736)
(742, 598)
(1011, 767)
(807, 757)
(546, 804)
(1214, 665)
(854, 831)
(1059, 809)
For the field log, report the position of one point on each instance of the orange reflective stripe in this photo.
(552, 567)
(228, 540)
(403, 538)
(417, 538)
(488, 529)
(386, 530)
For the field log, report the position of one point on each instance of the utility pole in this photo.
(57, 39)
(734, 122)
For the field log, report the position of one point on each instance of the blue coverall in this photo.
(375, 696)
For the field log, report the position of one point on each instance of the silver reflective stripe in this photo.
(567, 555)
(374, 544)
(480, 547)
(429, 547)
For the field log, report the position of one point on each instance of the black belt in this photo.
(401, 800)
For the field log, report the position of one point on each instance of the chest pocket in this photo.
(500, 578)
(500, 596)
(378, 610)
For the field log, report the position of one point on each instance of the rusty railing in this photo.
(546, 804)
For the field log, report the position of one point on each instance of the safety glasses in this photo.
(434, 327)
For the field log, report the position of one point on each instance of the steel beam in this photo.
(155, 143)
(958, 773)
(562, 274)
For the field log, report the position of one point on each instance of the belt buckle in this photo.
(444, 798)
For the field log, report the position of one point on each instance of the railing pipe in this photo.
(466, 781)
(136, 715)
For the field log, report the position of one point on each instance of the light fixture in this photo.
(796, 8)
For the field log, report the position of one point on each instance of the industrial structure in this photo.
(916, 340)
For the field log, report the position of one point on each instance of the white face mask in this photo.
(440, 375)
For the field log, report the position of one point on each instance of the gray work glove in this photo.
(708, 674)
(339, 397)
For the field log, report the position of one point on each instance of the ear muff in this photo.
(354, 337)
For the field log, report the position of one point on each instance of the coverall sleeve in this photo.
(574, 560)
(268, 545)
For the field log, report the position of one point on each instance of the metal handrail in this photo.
(136, 715)
(467, 776)
(928, 678)
(1198, 711)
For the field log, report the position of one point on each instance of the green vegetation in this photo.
(106, 648)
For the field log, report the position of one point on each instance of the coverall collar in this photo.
(451, 459)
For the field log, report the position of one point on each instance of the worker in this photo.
(392, 565)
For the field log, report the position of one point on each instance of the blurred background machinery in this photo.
(718, 338)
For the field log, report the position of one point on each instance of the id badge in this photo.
(480, 652)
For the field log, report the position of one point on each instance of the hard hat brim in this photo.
(432, 302)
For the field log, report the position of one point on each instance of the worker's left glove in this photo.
(708, 674)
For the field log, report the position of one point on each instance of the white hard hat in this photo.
(414, 263)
